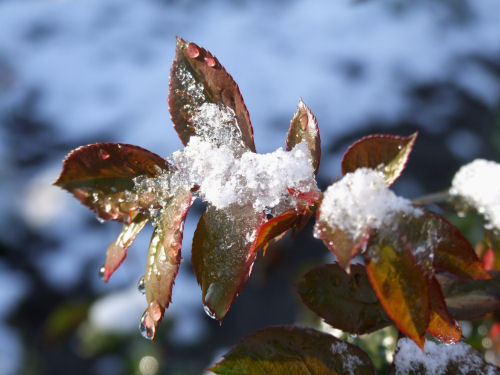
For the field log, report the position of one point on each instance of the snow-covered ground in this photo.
(102, 67)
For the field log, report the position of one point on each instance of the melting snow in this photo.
(436, 357)
(477, 183)
(362, 200)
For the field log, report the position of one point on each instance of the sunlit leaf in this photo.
(441, 323)
(197, 78)
(469, 299)
(304, 127)
(387, 153)
(293, 351)
(339, 242)
(221, 254)
(400, 284)
(345, 301)
(164, 257)
(117, 250)
(273, 228)
(452, 251)
(100, 177)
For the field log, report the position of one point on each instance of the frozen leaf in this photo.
(117, 250)
(469, 299)
(221, 254)
(493, 240)
(439, 359)
(197, 79)
(441, 323)
(101, 176)
(345, 301)
(164, 255)
(304, 127)
(452, 251)
(386, 153)
(293, 351)
(400, 284)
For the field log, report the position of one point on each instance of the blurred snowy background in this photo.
(74, 72)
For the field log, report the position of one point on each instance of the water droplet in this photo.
(209, 312)
(192, 51)
(103, 154)
(102, 272)
(141, 285)
(210, 61)
(100, 220)
(353, 336)
(146, 332)
(400, 147)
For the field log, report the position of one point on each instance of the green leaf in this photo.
(164, 258)
(222, 255)
(117, 250)
(387, 153)
(441, 323)
(197, 78)
(293, 351)
(101, 176)
(470, 299)
(304, 127)
(400, 283)
(345, 301)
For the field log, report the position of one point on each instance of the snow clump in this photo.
(436, 358)
(227, 172)
(477, 183)
(362, 200)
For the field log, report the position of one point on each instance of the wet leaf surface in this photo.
(304, 127)
(196, 78)
(345, 301)
(441, 323)
(452, 251)
(100, 177)
(339, 242)
(293, 351)
(117, 250)
(387, 153)
(221, 254)
(164, 255)
(400, 284)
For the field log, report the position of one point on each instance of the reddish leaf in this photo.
(339, 242)
(273, 228)
(470, 299)
(293, 351)
(196, 78)
(304, 127)
(387, 153)
(100, 177)
(345, 301)
(117, 250)
(493, 240)
(452, 251)
(164, 258)
(222, 255)
(400, 284)
(441, 324)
